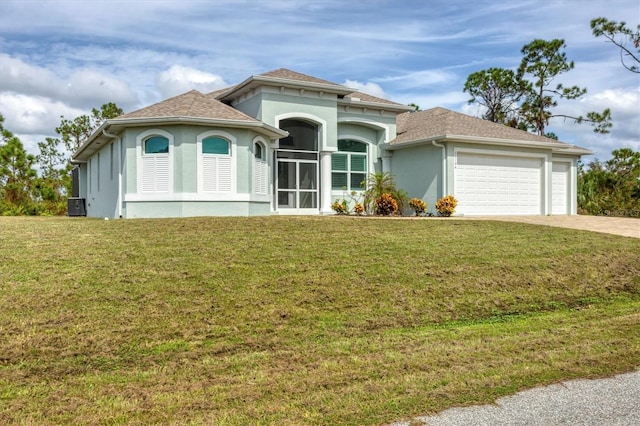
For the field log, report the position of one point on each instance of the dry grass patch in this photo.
(301, 320)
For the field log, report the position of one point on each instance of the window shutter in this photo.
(358, 163)
(216, 174)
(260, 176)
(338, 181)
(339, 162)
(224, 174)
(155, 174)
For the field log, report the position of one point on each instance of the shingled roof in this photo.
(286, 74)
(440, 122)
(192, 104)
(364, 97)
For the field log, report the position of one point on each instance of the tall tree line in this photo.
(40, 184)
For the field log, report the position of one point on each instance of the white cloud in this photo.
(369, 88)
(27, 114)
(84, 88)
(179, 79)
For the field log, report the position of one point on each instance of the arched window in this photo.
(155, 166)
(349, 166)
(215, 145)
(260, 169)
(156, 145)
(215, 162)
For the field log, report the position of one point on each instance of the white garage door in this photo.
(560, 188)
(497, 185)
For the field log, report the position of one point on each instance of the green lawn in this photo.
(295, 321)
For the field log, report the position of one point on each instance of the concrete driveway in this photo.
(628, 227)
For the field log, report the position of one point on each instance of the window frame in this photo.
(203, 158)
(349, 172)
(142, 158)
(260, 167)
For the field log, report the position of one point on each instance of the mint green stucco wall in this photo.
(251, 106)
(185, 155)
(276, 106)
(102, 182)
(185, 200)
(418, 171)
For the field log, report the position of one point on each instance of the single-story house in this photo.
(288, 143)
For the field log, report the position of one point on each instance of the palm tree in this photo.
(383, 183)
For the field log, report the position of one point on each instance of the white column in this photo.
(325, 182)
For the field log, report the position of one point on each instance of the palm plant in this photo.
(382, 183)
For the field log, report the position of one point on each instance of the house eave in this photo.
(374, 105)
(554, 146)
(117, 125)
(258, 80)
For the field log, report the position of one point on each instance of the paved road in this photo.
(613, 401)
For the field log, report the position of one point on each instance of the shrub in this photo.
(358, 209)
(385, 205)
(340, 207)
(383, 183)
(446, 205)
(418, 206)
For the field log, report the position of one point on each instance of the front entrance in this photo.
(297, 185)
(297, 170)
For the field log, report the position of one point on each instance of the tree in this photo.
(617, 33)
(612, 187)
(77, 131)
(526, 99)
(16, 174)
(544, 60)
(499, 90)
(53, 185)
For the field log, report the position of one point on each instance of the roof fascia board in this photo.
(374, 105)
(555, 147)
(259, 80)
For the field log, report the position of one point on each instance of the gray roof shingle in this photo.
(439, 122)
(371, 99)
(191, 104)
(286, 74)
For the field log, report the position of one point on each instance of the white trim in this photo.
(501, 153)
(322, 125)
(262, 162)
(140, 155)
(572, 186)
(200, 159)
(368, 122)
(192, 196)
(370, 163)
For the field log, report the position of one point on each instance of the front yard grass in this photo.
(293, 321)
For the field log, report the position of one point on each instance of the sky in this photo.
(62, 58)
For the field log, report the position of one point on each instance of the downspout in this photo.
(114, 136)
(444, 167)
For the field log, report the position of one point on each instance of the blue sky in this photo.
(65, 57)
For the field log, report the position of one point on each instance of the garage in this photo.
(487, 184)
(560, 188)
